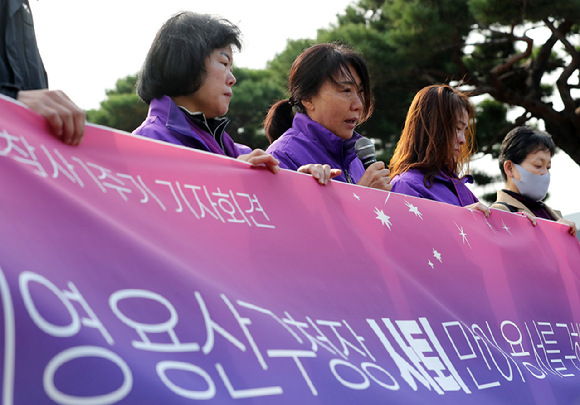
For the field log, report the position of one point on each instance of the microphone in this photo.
(365, 151)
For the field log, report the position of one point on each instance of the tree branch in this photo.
(491, 41)
(539, 65)
(478, 91)
(512, 60)
(521, 120)
(562, 82)
(546, 49)
(458, 60)
(538, 108)
(562, 37)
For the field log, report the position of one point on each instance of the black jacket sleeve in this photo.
(21, 66)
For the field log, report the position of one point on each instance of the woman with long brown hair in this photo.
(435, 148)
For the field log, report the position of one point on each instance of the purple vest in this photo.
(445, 189)
(166, 122)
(308, 142)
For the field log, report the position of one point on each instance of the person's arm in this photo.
(8, 89)
(499, 206)
(285, 161)
(65, 118)
(402, 186)
(411, 189)
(321, 173)
(243, 149)
(571, 224)
(479, 206)
(260, 158)
(510, 208)
(376, 176)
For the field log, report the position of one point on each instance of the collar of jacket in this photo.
(444, 178)
(533, 205)
(505, 196)
(14, 5)
(340, 151)
(215, 126)
(177, 120)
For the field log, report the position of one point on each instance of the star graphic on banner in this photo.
(381, 216)
(506, 227)
(388, 195)
(437, 255)
(356, 196)
(431, 264)
(414, 209)
(472, 212)
(463, 234)
(488, 224)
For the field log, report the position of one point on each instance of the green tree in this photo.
(280, 65)
(254, 92)
(122, 109)
(489, 47)
(486, 46)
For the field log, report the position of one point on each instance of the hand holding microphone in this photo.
(376, 175)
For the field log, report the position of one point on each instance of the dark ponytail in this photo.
(278, 120)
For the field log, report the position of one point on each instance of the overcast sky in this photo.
(87, 45)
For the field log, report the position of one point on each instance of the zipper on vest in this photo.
(348, 178)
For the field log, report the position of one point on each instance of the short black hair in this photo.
(175, 64)
(520, 142)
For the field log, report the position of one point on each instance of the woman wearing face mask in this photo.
(187, 81)
(330, 90)
(435, 146)
(525, 159)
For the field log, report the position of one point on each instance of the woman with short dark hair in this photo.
(187, 81)
(525, 159)
(330, 90)
(435, 147)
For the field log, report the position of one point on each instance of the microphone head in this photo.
(365, 151)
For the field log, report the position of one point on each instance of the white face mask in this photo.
(532, 185)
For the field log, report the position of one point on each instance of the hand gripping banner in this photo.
(137, 272)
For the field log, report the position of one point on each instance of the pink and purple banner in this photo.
(137, 272)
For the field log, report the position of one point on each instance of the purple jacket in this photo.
(309, 142)
(445, 189)
(166, 122)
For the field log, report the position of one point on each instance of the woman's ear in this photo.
(308, 104)
(508, 168)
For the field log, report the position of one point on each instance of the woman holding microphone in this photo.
(330, 91)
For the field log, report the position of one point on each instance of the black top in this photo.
(538, 208)
(21, 66)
